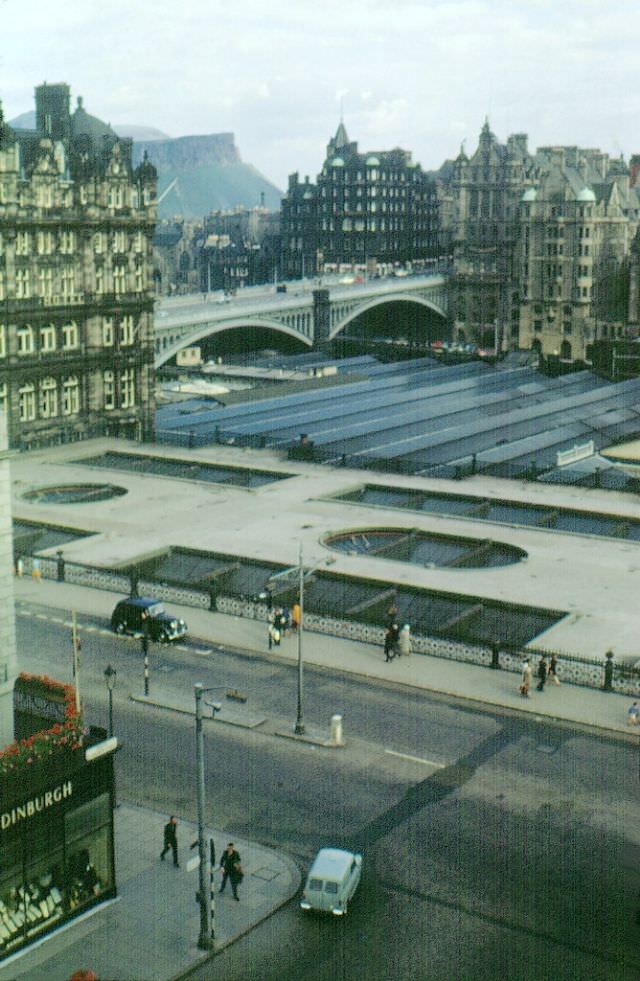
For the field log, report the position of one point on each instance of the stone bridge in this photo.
(313, 315)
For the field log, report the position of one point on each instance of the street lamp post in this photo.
(287, 575)
(207, 908)
(299, 726)
(110, 675)
(145, 654)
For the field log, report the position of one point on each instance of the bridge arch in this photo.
(356, 311)
(217, 327)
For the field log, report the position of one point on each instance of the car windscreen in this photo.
(331, 887)
(315, 884)
(156, 610)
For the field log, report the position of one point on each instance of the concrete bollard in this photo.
(335, 738)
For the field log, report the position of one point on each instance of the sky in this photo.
(420, 74)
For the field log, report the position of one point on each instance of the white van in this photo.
(333, 878)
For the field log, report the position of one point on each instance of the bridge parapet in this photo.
(311, 316)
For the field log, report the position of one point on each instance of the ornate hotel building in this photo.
(365, 209)
(76, 294)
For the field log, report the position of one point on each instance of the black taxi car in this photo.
(140, 614)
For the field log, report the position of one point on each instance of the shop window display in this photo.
(73, 870)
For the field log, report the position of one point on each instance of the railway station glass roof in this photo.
(183, 469)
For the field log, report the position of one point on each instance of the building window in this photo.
(537, 326)
(107, 331)
(45, 283)
(23, 284)
(27, 403)
(126, 331)
(98, 243)
(22, 243)
(70, 396)
(116, 197)
(99, 279)
(25, 339)
(67, 242)
(109, 389)
(44, 243)
(3, 397)
(1, 284)
(119, 242)
(138, 280)
(127, 382)
(3, 340)
(48, 398)
(45, 196)
(119, 280)
(48, 338)
(566, 327)
(68, 279)
(70, 337)
(138, 242)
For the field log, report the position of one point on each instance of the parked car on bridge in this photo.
(136, 614)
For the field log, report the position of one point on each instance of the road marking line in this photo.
(415, 759)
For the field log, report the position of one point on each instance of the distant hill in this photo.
(141, 132)
(196, 174)
(26, 120)
(199, 174)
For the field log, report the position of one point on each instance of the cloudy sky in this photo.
(421, 74)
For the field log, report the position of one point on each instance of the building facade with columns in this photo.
(76, 292)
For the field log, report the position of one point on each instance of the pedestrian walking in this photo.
(171, 840)
(391, 635)
(296, 615)
(543, 670)
(633, 715)
(391, 616)
(231, 869)
(525, 682)
(553, 670)
(404, 641)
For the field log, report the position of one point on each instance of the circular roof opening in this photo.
(73, 493)
(424, 548)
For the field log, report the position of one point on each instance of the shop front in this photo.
(56, 845)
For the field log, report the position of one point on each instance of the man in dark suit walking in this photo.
(231, 869)
(171, 840)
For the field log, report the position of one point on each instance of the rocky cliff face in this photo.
(189, 152)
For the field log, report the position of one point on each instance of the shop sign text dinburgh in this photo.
(36, 805)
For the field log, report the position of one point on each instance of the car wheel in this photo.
(120, 627)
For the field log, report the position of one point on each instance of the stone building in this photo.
(240, 247)
(76, 296)
(541, 246)
(486, 190)
(8, 656)
(577, 222)
(365, 210)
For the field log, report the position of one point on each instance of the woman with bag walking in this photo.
(525, 682)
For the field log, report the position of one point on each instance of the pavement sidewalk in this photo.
(150, 931)
(571, 703)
